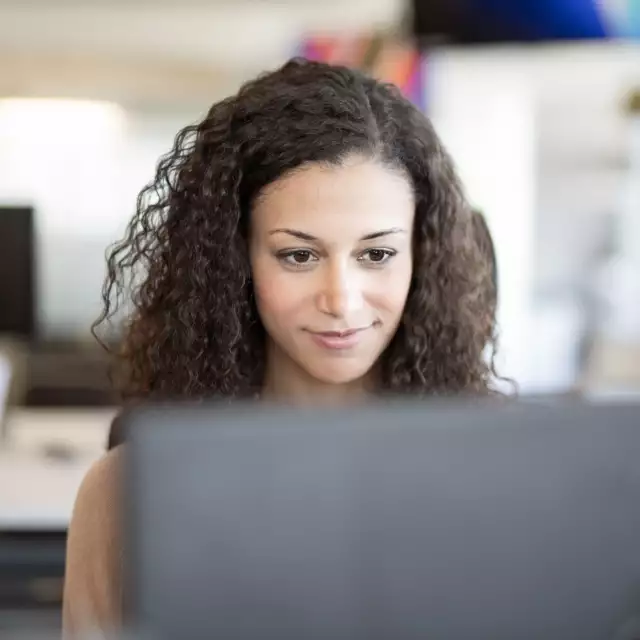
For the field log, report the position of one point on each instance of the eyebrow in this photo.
(309, 238)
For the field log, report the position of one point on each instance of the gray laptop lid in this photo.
(399, 521)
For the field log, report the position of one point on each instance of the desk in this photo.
(80, 429)
(37, 492)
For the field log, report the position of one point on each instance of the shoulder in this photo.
(100, 486)
(94, 550)
(95, 520)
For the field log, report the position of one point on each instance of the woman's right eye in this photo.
(298, 258)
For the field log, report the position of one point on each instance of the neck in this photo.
(286, 382)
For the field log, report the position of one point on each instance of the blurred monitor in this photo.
(502, 21)
(17, 272)
(405, 521)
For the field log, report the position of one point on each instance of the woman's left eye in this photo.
(376, 256)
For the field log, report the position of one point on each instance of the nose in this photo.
(340, 292)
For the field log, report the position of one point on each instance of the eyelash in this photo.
(286, 257)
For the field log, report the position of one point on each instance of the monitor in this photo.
(17, 272)
(501, 21)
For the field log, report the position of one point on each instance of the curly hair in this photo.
(487, 247)
(194, 330)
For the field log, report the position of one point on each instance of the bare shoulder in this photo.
(94, 548)
(95, 522)
(102, 482)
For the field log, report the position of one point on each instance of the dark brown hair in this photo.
(487, 248)
(194, 330)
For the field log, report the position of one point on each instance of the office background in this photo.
(544, 127)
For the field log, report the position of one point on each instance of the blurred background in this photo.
(538, 101)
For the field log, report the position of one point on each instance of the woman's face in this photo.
(331, 260)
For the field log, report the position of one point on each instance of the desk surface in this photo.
(38, 491)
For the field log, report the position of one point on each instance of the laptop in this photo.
(399, 521)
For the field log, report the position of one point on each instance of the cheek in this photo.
(277, 297)
(391, 291)
(265, 285)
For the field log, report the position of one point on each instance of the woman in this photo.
(308, 241)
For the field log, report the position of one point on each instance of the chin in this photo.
(339, 375)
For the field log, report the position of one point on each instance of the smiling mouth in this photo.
(343, 333)
(337, 334)
(338, 340)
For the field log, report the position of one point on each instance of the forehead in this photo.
(355, 197)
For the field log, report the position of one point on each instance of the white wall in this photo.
(485, 115)
(539, 137)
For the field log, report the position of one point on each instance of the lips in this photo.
(337, 340)
(338, 334)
